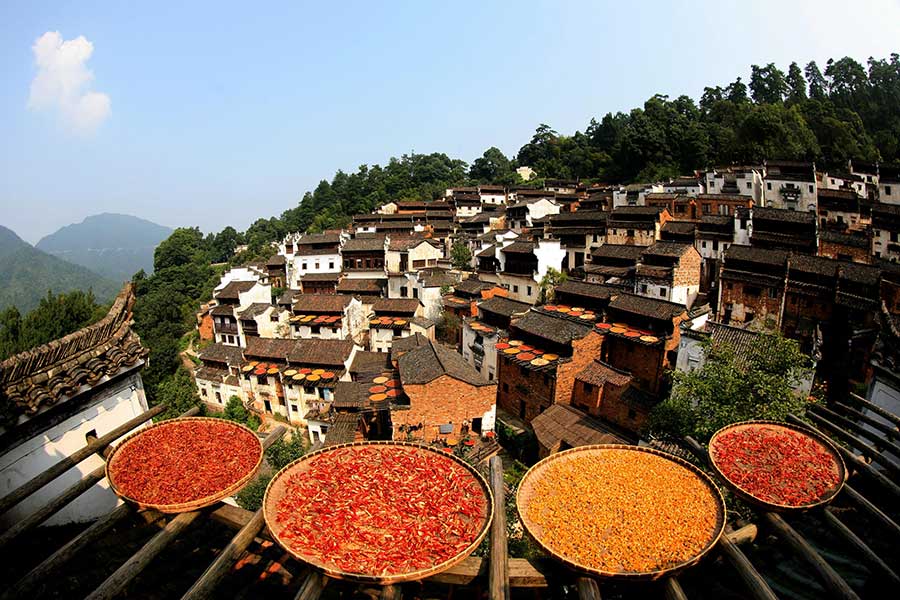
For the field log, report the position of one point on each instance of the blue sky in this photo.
(217, 113)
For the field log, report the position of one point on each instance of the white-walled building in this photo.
(327, 317)
(685, 186)
(634, 194)
(312, 253)
(791, 186)
(59, 395)
(231, 299)
(745, 181)
(523, 213)
(411, 254)
(519, 266)
(397, 318)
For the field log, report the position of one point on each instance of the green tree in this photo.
(729, 388)
(461, 256)
(548, 284)
(492, 167)
(56, 316)
(818, 85)
(179, 249)
(280, 454)
(796, 84)
(237, 412)
(177, 393)
(767, 84)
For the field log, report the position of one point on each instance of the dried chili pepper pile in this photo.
(380, 510)
(620, 511)
(776, 464)
(183, 461)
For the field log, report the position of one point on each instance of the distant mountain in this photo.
(26, 274)
(115, 246)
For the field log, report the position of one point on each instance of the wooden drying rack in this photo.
(845, 422)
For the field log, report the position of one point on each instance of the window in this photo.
(749, 185)
(629, 232)
(404, 291)
(703, 244)
(810, 189)
(643, 288)
(294, 408)
(505, 387)
(768, 185)
(315, 329)
(529, 290)
(203, 391)
(515, 289)
(415, 292)
(218, 397)
(331, 265)
(715, 244)
(587, 387)
(304, 265)
(595, 235)
(317, 265)
(662, 292)
(490, 374)
(887, 190)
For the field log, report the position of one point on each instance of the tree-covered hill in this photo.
(27, 274)
(112, 245)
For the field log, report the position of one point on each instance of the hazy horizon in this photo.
(209, 115)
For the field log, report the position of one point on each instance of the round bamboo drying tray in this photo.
(194, 504)
(837, 460)
(276, 490)
(525, 493)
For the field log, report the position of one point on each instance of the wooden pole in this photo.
(856, 428)
(206, 584)
(891, 432)
(834, 583)
(887, 415)
(52, 507)
(587, 588)
(119, 580)
(853, 440)
(672, 589)
(23, 491)
(312, 586)
(44, 571)
(873, 561)
(755, 583)
(873, 510)
(498, 579)
(855, 461)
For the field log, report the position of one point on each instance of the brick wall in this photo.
(614, 410)
(835, 250)
(761, 305)
(584, 351)
(206, 328)
(441, 401)
(687, 272)
(645, 363)
(523, 392)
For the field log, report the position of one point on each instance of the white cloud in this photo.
(63, 80)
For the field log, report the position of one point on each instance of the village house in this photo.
(231, 299)
(889, 185)
(614, 264)
(744, 181)
(639, 344)
(634, 194)
(520, 266)
(447, 397)
(61, 394)
(886, 231)
(411, 254)
(462, 303)
(481, 332)
(790, 186)
(424, 285)
(492, 196)
(320, 283)
(714, 235)
(688, 185)
(684, 232)
(538, 363)
(853, 246)
(465, 203)
(837, 180)
(522, 215)
(263, 320)
(395, 318)
(843, 210)
(636, 226)
(781, 229)
(366, 290)
(295, 379)
(364, 256)
(311, 254)
(327, 317)
(579, 232)
(669, 271)
(218, 376)
(583, 295)
(751, 285)
(482, 223)
(597, 198)
(562, 427)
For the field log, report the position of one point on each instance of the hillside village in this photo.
(521, 307)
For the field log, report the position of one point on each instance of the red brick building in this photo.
(446, 394)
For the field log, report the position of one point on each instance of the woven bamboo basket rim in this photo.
(270, 501)
(193, 504)
(773, 506)
(523, 497)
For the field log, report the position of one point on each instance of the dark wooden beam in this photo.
(498, 579)
(873, 561)
(25, 490)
